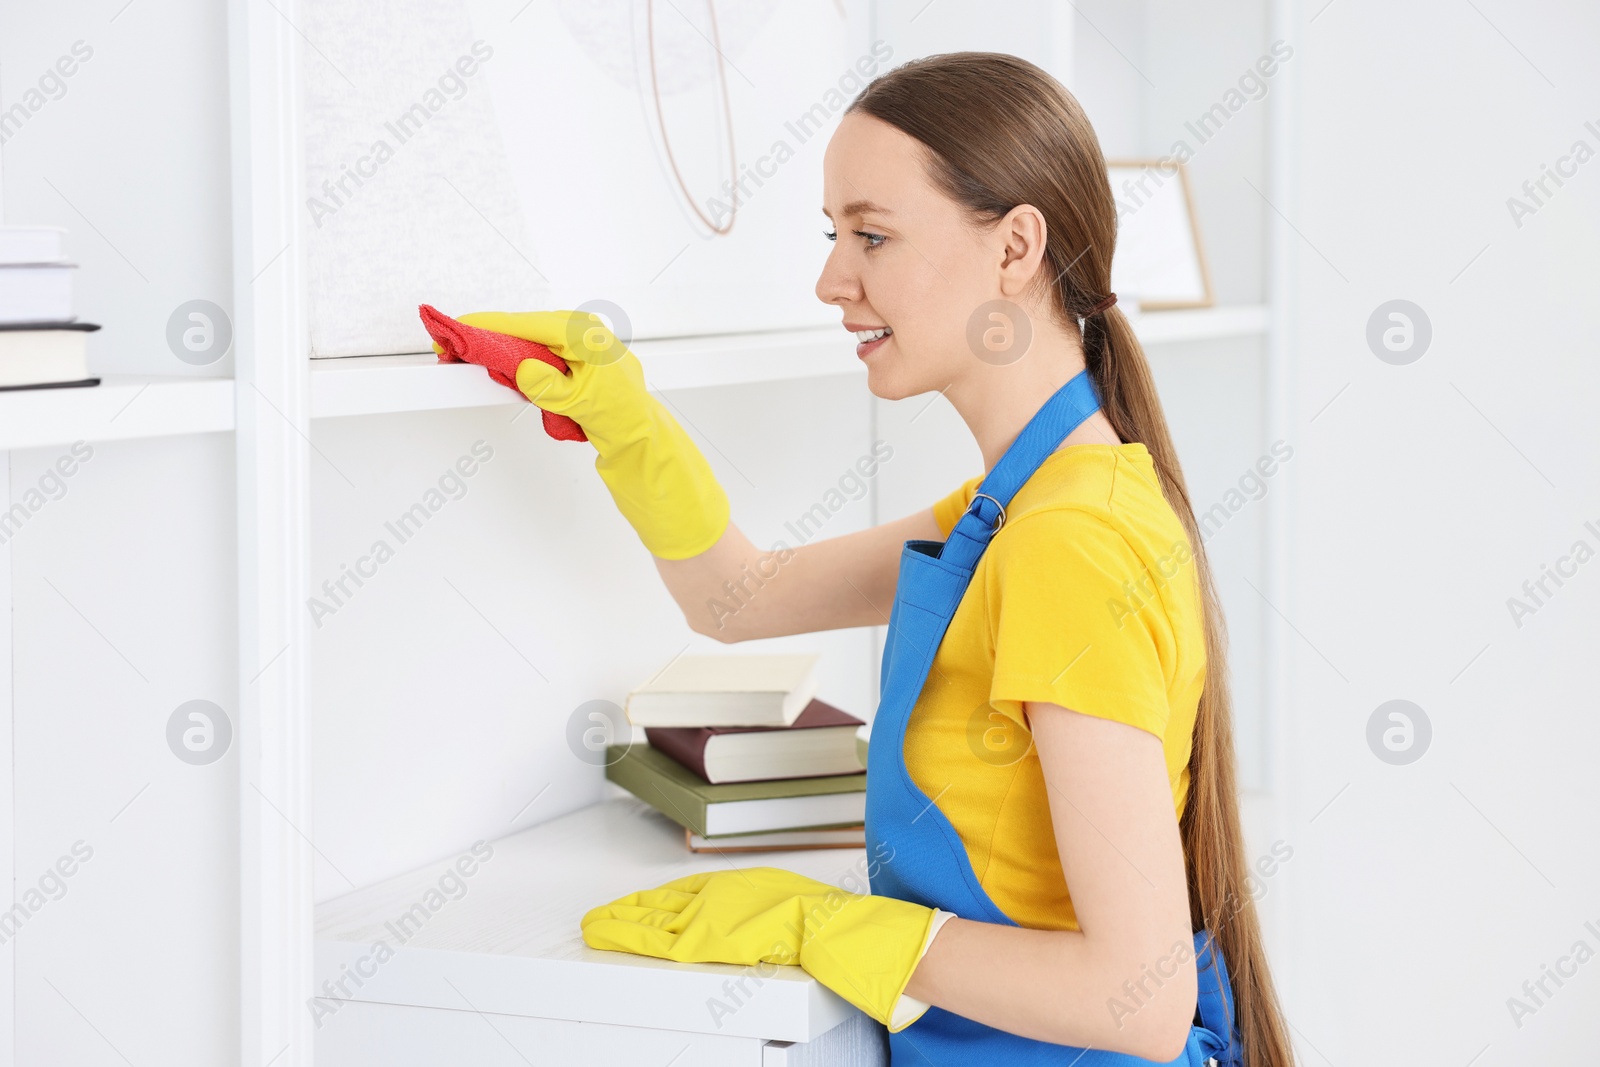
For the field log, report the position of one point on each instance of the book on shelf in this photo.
(36, 292)
(736, 807)
(41, 344)
(44, 355)
(35, 277)
(32, 244)
(820, 742)
(726, 690)
(779, 841)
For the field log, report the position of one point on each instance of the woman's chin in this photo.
(886, 386)
(886, 378)
(890, 382)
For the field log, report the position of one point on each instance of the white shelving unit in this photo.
(269, 406)
(126, 407)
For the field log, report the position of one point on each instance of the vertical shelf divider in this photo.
(272, 398)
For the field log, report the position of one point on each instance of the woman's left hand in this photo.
(862, 947)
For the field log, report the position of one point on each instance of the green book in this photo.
(736, 807)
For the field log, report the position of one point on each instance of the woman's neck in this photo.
(996, 402)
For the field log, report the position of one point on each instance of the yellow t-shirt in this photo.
(1087, 597)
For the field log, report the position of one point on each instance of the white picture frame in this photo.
(1160, 261)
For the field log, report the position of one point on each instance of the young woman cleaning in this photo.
(1051, 810)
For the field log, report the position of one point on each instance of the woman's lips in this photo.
(866, 348)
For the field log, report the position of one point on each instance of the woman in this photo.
(1055, 709)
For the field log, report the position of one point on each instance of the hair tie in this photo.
(1102, 306)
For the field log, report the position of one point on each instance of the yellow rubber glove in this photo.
(659, 479)
(864, 948)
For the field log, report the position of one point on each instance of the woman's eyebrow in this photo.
(861, 207)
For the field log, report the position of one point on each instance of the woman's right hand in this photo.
(597, 402)
(658, 477)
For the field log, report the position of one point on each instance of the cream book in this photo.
(42, 354)
(727, 690)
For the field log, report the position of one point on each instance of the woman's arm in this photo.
(735, 592)
(1125, 980)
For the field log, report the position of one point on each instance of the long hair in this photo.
(1001, 132)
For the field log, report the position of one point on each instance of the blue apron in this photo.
(923, 859)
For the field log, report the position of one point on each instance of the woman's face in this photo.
(905, 257)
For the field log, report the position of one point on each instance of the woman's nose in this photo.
(836, 284)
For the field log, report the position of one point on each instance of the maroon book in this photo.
(819, 743)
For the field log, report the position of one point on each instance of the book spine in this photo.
(688, 747)
(670, 799)
(710, 847)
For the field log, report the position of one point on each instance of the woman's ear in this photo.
(1021, 234)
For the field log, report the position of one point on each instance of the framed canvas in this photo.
(658, 163)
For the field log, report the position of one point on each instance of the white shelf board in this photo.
(369, 385)
(376, 385)
(120, 407)
(1200, 324)
(365, 385)
(130, 406)
(511, 942)
(692, 362)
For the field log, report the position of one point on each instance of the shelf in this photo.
(129, 406)
(1200, 324)
(736, 359)
(121, 407)
(370, 385)
(510, 944)
(367, 385)
(377, 385)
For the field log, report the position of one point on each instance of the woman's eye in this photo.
(874, 240)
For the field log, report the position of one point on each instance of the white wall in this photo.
(1424, 895)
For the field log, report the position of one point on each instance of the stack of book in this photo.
(742, 754)
(42, 345)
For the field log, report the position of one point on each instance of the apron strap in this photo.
(1064, 412)
(1215, 1006)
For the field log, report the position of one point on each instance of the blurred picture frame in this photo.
(1160, 261)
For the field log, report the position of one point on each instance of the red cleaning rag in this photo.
(500, 354)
